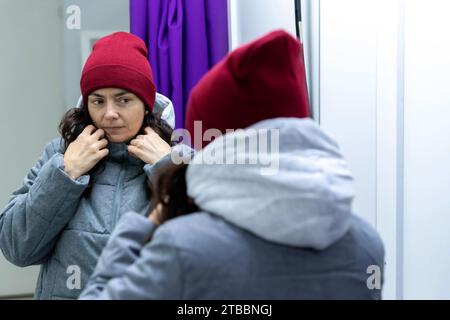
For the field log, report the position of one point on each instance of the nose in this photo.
(111, 112)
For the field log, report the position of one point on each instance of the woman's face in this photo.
(118, 112)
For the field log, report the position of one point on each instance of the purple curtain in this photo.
(185, 39)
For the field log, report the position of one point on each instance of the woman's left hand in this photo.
(149, 147)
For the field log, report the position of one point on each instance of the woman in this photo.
(290, 234)
(71, 200)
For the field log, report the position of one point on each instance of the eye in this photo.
(96, 102)
(124, 100)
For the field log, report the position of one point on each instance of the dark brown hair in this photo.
(171, 193)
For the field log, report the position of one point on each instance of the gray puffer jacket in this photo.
(51, 221)
(290, 234)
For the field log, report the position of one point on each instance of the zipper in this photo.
(118, 194)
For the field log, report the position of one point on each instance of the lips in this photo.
(113, 130)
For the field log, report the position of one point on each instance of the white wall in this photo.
(31, 105)
(384, 68)
(427, 150)
(250, 19)
(348, 91)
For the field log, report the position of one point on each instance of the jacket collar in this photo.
(118, 152)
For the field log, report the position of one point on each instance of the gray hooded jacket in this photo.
(288, 235)
(51, 221)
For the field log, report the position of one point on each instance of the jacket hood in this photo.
(164, 107)
(305, 198)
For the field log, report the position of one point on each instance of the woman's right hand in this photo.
(85, 152)
(155, 215)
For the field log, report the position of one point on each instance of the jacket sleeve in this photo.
(39, 210)
(130, 267)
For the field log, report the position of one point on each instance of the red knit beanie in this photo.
(261, 80)
(119, 61)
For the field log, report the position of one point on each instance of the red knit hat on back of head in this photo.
(119, 61)
(264, 79)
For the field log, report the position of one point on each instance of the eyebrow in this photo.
(121, 93)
